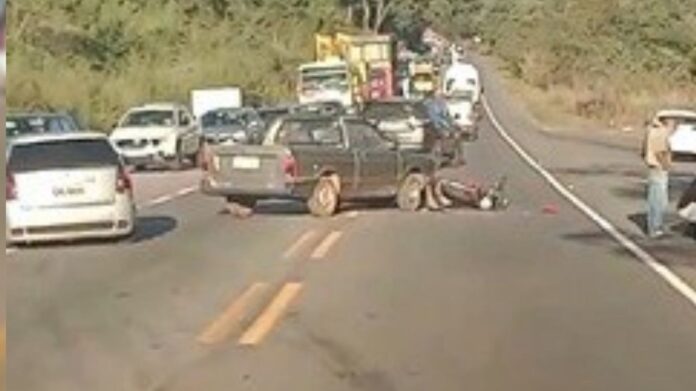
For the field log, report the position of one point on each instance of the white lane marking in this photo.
(306, 237)
(168, 197)
(661, 270)
(9, 251)
(352, 214)
(159, 200)
(326, 245)
(186, 191)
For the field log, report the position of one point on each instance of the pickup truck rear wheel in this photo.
(410, 195)
(324, 199)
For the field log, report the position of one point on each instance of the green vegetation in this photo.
(615, 60)
(101, 56)
(609, 59)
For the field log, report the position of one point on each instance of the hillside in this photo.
(607, 59)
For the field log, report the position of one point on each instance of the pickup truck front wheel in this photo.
(324, 199)
(410, 195)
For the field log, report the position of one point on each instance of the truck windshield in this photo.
(324, 79)
(149, 118)
(395, 110)
(315, 132)
(219, 119)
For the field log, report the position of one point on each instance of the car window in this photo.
(363, 135)
(62, 154)
(395, 110)
(221, 118)
(16, 126)
(184, 119)
(688, 121)
(147, 118)
(309, 133)
(67, 125)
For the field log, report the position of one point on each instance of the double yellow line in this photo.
(231, 319)
(237, 313)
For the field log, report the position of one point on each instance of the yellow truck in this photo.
(424, 77)
(370, 58)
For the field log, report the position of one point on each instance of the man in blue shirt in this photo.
(438, 112)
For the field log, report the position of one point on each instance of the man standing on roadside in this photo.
(658, 158)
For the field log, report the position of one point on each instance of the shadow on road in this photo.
(640, 220)
(675, 249)
(146, 228)
(151, 227)
(296, 208)
(678, 184)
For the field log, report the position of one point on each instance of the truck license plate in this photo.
(246, 162)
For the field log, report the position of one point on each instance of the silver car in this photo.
(64, 187)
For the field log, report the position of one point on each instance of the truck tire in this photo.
(196, 158)
(241, 207)
(177, 163)
(324, 199)
(410, 195)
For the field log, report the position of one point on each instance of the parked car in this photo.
(242, 125)
(683, 141)
(66, 186)
(687, 204)
(18, 124)
(269, 114)
(407, 122)
(321, 108)
(321, 160)
(160, 134)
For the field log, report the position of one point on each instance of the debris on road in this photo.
(551, 209)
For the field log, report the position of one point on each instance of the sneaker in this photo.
(657, 234)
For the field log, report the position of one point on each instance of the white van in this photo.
(462, 78)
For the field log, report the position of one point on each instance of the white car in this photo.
(462, 78)
(462, 110)
(686, 207)
(161, 134)
(683, 141)
(64, 187)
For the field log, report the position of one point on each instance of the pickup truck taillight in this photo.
(10, 187)
(123, 181)
(290, 167)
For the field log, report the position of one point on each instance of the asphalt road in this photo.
(373, 299)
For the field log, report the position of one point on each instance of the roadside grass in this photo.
(617, 105)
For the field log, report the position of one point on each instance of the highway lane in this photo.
(468, 300)
(386, 301)
(603, 168)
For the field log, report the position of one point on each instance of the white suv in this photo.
(161, 134)
(683, 140)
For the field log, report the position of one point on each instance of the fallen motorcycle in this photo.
(450, 193)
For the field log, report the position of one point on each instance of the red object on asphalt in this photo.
(551, 209)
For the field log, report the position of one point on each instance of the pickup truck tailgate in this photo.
(248, 168)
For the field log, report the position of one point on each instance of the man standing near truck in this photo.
(658, 159)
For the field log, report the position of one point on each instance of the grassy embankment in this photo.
(613, 61)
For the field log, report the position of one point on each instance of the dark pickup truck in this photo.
(321, 160)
